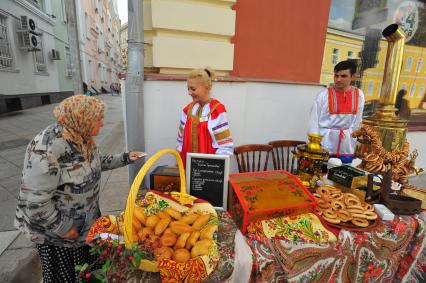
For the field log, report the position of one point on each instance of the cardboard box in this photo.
(165, 179)
(264, 195)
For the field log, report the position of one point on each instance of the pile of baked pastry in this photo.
(182, 236)
(337, 207)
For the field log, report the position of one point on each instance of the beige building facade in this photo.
(180, 35)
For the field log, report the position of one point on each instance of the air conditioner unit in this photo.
(55, 54)
(28, 36)
(28, 24)
(29, 41)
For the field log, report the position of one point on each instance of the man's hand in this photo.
(136, 155)
(72, 234)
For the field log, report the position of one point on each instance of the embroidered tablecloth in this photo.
(391, 252)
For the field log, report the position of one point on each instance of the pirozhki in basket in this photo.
(179, 237)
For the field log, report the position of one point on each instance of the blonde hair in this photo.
(206, 75)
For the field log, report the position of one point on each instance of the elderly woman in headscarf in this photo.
(59, 196)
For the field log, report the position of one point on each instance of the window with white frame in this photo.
(100, 8)
(370, 88)
(335, 56)
(421, 92)
(419, 64)
(6, 58)
(350, 54)
(412, 89)
(101, 41)
(101, 72)
(68, 61)
(96, 5)
(89, 71)
(87, 24)
(409, 63)
(39, 59)
(404, 86)
(38, 3)
(64, 11)
(104, 72)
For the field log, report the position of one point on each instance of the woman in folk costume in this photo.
(337, 112)
(204, 126)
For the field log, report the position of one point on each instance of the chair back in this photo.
(282, 154)
(252, 157)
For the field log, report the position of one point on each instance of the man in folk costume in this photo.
(204, 126)
(337, 112)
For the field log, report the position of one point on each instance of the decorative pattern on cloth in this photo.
(306, 228)
(413, 265)
(204, 129)
(78, 114)
(373, 256)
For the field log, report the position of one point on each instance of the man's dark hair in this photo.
(346, 65)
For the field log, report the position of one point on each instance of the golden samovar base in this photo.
(392, 130)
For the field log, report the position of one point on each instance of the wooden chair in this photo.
(282, 154)
(249, 157)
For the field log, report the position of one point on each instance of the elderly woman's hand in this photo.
(136, 155)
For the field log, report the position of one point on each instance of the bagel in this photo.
(370, 215)
(360, 222)
(344, 215)
(332, 220)
(329, 214)
(337, 204)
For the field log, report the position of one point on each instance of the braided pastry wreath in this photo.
(379, 160)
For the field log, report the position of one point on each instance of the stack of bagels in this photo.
(337, 207)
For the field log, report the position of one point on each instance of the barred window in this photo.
(40, 61)
(68, 61)
(6, 59)
(335, 58)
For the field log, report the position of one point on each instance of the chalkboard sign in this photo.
(207, 177)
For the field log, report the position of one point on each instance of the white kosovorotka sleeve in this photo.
(221, 135)
(358, 118)
(181, 130)
(315, 115)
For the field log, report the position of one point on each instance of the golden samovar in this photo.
(390, 127)
(310, 158)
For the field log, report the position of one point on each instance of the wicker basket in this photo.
(196, 269)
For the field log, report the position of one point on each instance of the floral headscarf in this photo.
(78, 114)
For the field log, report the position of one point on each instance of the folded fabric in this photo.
(302, 228)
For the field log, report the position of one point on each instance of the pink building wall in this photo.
(99, 29)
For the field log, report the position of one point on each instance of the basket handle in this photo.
(130, 206)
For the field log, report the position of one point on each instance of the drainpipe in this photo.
(74, 45)
(133, 96)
